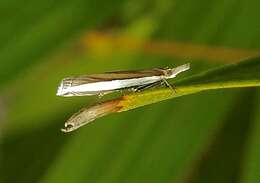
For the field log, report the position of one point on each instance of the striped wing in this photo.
(109, 76)
(66, 84)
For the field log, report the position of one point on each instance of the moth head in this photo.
(171, 73)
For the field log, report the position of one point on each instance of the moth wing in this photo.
(69, 82)
(109, 76)
(120, 75)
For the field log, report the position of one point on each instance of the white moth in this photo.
(100, 84)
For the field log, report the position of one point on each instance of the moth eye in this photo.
(169, 72)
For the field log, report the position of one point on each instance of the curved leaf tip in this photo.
(243, 74)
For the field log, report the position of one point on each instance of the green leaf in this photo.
(169, 135)
(243, 74)
(160, 143)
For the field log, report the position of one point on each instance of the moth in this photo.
(101, 84)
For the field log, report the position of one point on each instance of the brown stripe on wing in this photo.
(109, 76)
(119, 75)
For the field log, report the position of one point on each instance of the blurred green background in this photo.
(206, 137)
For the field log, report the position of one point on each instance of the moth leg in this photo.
(147, 86)
(170, 86)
